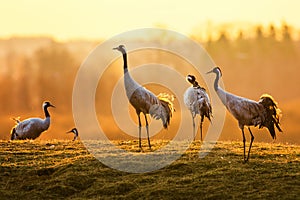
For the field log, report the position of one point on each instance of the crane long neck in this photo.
(216, 84)
(223, 95)
(195, 84)
(130, 84)
(46, 112)
(125, 62)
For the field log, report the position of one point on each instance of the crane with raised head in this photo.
(144, 101)
(263, 113)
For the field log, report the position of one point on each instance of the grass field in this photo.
(58, 169)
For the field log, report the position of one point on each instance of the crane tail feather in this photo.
(272, 114)
(272, 131)
(164, 109)
(13, 134)
(167, 112)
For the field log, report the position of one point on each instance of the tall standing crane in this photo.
(144, 101)
(263, 113)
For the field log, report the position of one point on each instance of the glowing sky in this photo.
(94, 19)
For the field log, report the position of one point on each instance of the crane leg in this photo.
(252, 139)
(193, 127)
(147, 129)
(140, 127)
(201, 122)
(244, 141)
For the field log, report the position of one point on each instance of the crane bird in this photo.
(75, 131)
(263, 113)
(33, 127)
(143, 100)
(197, 101)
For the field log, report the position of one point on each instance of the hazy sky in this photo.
(94, 19)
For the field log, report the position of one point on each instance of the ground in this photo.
(61, 169)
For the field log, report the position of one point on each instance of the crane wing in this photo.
(23, 127)
(197, 100)
(31, 128)
(156, 111)
(189, 97)
(245, 110)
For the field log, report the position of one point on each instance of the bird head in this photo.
(215, 70)
(47, 104)
(120, 48)
(74, 130)
(190, 78)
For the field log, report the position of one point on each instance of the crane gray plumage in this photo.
(143, 100)
(197, 101)
(75, 131)
(33, 127)
(263, 113)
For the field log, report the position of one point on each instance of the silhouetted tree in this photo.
(259, 33)
(272, 32)
(223, 37)
(56, 73)
(240, 43)
(22, 84)
(240, 35)
(286, 32)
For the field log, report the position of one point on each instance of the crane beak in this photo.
(52, 106)
(69, 131)
(211, 71)
(116, 48)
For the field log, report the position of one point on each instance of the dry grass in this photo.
(66, 170)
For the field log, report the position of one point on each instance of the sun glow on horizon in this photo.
(67, 20)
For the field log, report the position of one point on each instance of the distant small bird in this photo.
(33, 127)
(143, 100)
(75, 131)
(263, 113)
(197, 101)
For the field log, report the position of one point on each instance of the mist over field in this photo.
(265, 60)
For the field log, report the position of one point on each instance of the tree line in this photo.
(48, 72)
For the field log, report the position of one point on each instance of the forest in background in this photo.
(267, 60)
